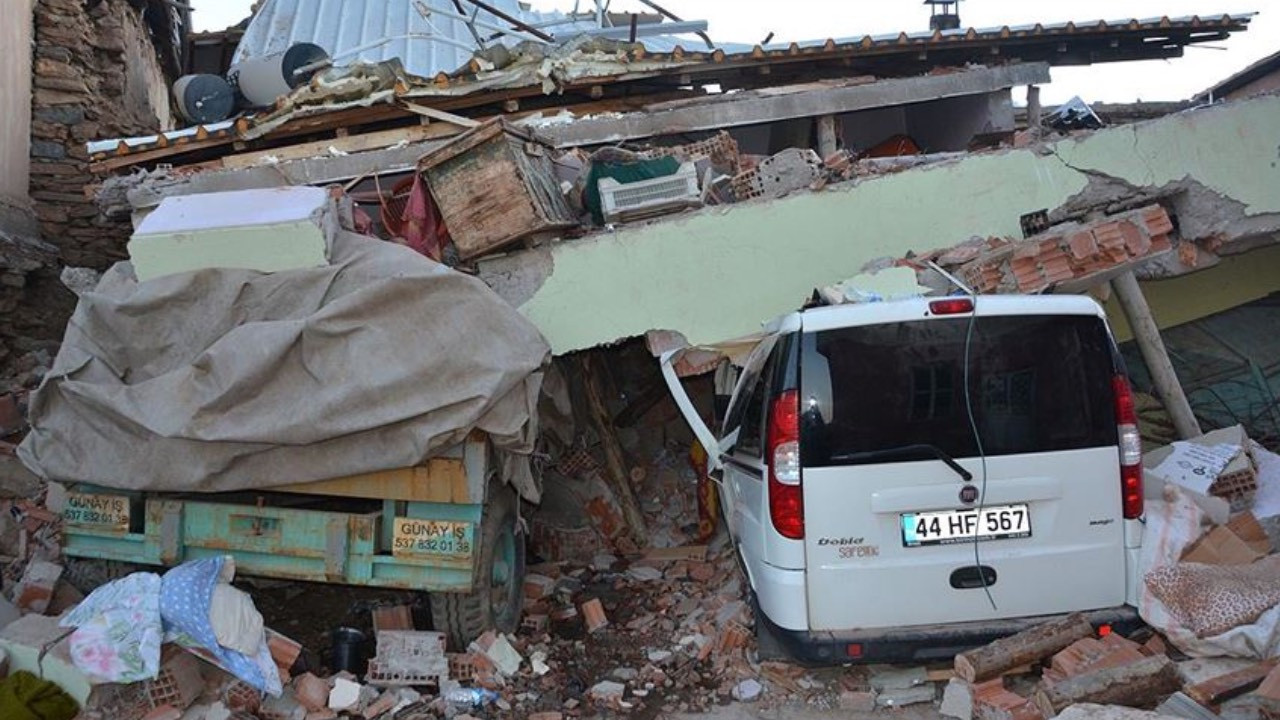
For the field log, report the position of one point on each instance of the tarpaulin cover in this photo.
(220, 380)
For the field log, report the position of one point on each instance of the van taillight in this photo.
(786, 499)
(951, 306)
(1130, 449)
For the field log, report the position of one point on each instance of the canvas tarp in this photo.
(220, 380)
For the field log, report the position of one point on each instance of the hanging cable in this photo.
(977, 439)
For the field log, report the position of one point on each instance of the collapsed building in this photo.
(603, 175)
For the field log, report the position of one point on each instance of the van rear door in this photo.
(890, 527)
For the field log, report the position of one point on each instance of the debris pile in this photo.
(1210, 598)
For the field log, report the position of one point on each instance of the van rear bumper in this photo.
(924, 642)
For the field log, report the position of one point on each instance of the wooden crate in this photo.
(495, 186)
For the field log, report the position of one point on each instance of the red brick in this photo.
(535, 624)
(537, 586)
(1082, 245)
(283, 650)
(1136, 242)
(593, 615)
(396, 617)
(1157, 220)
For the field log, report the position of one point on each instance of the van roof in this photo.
(871, 313)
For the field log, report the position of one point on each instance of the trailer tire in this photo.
(88, 574)
(498, 596)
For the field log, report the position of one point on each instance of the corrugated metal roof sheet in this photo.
(1151, 34)
(421, 33)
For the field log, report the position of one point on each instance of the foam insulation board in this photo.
(266, 230)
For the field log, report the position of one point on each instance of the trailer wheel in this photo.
(87, 574)
(498, 596)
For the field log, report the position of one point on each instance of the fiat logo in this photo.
(968, 494)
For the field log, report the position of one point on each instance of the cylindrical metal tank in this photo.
(204, 98)
(261, 80)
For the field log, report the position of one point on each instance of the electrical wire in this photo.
(977, 438)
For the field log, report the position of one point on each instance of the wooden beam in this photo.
(1147, 334)
(1030, 645)
(1224, 687)
(176, 147)
(348, 144)
(827, 144)
(777, 104)
(1138, 684)
(438, 480)
(616, 475)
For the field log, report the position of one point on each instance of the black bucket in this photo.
(349, 651)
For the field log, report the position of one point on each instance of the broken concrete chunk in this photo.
(35, 589)
(858, 701)
(1089, 711)
(1180, 705)
(957, 700)
(747, 691)
(607, 691)
(889, 678)
(898, 697)
(504, 656)
(345, 694)
(265, 230)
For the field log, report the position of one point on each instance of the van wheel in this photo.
(497, 597)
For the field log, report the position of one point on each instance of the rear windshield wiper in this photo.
(890, 453)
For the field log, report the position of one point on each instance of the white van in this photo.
(907, 479)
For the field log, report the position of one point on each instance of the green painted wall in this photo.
(717, 274)
(1237, 280)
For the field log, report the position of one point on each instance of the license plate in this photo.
(111, 512)
(955, 526)
(433, 538)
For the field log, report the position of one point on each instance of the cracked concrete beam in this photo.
(718, 273)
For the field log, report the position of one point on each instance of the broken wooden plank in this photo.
(615, 469)
(1138, 684)
(349, 144)
(1028, 646)
(1224, 687)
(696, 553)
(441, 115)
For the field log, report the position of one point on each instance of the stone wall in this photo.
(96, 75)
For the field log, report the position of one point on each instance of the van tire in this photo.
(497, 596)
(768, 646)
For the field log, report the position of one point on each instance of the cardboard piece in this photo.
(1247, 528)
(1221, 546)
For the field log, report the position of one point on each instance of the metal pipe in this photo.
(650, 29)
(486, 25)
(672, 16)
(470, 25)
(518, 23)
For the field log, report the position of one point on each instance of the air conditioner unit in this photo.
(623, 202)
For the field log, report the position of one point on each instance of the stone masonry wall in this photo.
(95, 76)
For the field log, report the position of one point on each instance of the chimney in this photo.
(944, 15)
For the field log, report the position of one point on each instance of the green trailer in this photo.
(448, 527)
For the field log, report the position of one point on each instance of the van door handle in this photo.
(968, 577)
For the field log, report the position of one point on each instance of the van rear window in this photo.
(1038, 383)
